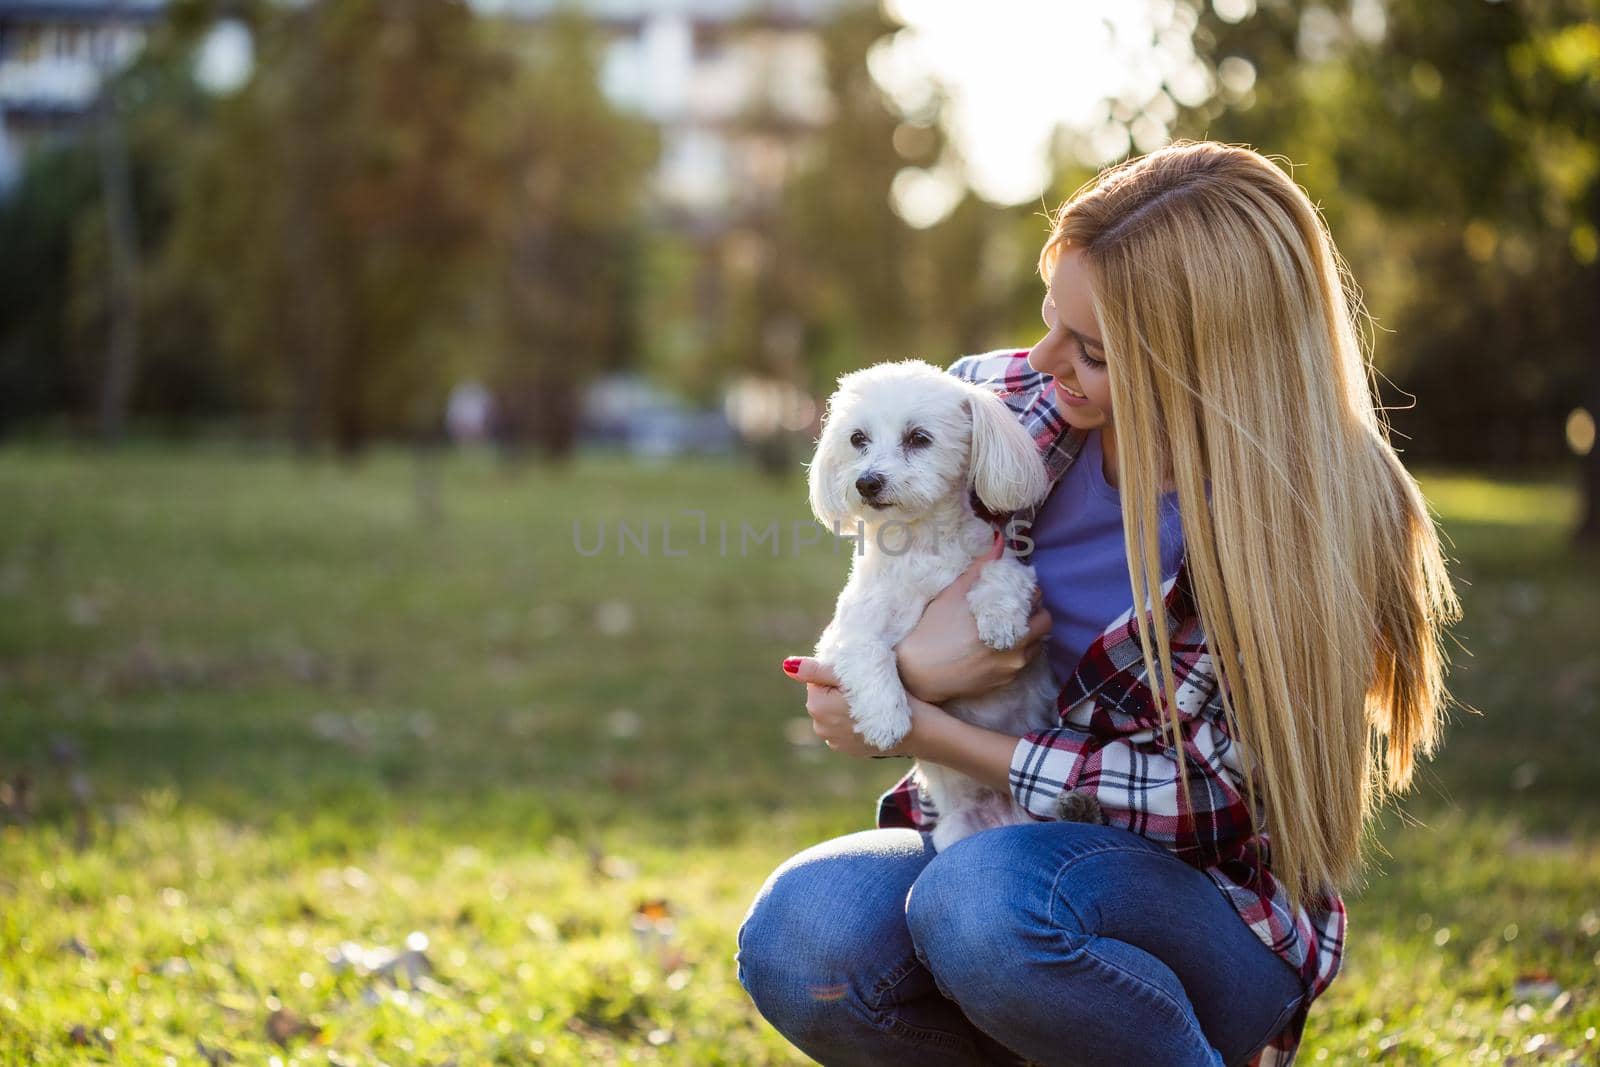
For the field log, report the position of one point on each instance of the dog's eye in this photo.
(918, 439)
(858, 439)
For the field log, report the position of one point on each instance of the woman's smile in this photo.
(1069, 395)
(1072, 350)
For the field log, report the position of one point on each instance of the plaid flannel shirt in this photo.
(1112, 743)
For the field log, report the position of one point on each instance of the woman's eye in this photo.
(918, 439)
(858, 439)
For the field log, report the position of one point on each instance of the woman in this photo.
(1201, 361)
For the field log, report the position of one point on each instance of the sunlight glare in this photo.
(1016, 71)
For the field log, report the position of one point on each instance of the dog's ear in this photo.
(1007, 471)
(824, 477)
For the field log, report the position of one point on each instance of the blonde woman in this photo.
(1206, 412)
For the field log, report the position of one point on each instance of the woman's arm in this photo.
(1135, 776)
(935, 734)
(939, 737)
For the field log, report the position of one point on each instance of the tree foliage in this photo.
(1456, 150)
(331, 212)
(568, 173)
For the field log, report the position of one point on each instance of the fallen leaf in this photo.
(83, 1036)
(603, 866)
(76, 946)
(1538, 985)
(173, 967)
(214, 1056)
(655, 910)
(654, 927)
(284, 1026)
(410, 965)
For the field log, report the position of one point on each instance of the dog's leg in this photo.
(869, 676)
(1001, 601)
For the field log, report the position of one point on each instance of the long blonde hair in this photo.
(1231, 335)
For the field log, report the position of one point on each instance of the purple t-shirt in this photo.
(1079, 556)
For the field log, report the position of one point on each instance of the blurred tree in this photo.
(87, 323)
(844, 251)
(871, 286)
(569, 173)
(331, 215)
(1457, 148)
(121, 259)
(36, 247)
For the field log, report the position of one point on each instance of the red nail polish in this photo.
(792, 665)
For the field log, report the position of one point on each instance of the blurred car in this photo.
(629, 412)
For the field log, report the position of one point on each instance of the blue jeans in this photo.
(1052, 943)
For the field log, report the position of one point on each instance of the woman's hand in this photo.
(943, 659)
(935, 735)
(830, 712)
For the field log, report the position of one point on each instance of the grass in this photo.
(273, 723)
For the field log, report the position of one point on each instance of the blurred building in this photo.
(733, 85)
(53, 55)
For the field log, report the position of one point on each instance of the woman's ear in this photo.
(1007, 471)
(823, 476)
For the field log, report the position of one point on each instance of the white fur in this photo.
(916, 543)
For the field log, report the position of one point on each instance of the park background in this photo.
(333, 334)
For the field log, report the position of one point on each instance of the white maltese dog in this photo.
(904, 447)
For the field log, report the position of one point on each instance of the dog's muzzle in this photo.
(870, 485)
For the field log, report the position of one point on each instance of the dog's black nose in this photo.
(869, 485)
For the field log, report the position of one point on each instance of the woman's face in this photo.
(1072, 352)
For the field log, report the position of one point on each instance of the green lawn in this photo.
(273, 723)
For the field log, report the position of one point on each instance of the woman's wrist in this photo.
(936, 736)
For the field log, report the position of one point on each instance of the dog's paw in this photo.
(1001, 602)
(886, 728)
(884, 736)
(999, 627)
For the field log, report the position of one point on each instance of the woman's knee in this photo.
(774, 945)
(778, 930)
(992, 901)
(822, 923)
(974, 910)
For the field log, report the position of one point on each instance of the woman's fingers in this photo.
(806, 669)
(1039, 623)
(825, 700)
(1038, 631)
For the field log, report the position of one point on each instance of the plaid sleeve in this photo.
(1004, 372)
(1112, 746)
(1136, 781)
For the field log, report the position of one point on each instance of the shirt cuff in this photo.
(1044, 765)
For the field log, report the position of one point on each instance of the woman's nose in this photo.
(1044, 357)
